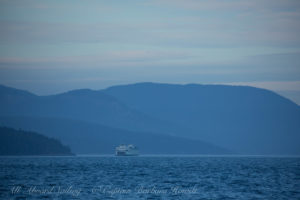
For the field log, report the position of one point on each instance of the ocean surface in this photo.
(149, 177)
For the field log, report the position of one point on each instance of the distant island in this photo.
(19, 142)
(160, 119)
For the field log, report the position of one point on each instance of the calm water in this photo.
(165, 177)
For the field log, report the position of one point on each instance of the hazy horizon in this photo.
(52, 46)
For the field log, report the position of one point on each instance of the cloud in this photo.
(210, 23)
(272, 85)
(106, 59)
(229, 5)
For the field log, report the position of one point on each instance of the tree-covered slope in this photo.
(19, 142)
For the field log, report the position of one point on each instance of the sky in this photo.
(52, 46)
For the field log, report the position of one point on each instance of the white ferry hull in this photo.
(126, 154)
(129, 150)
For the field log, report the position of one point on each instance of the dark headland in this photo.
(18, 142)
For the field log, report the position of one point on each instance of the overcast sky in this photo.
(52, 46)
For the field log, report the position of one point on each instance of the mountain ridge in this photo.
(252, 120)
(92, 138)
(244, 119)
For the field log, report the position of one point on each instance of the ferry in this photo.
(127, 150)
